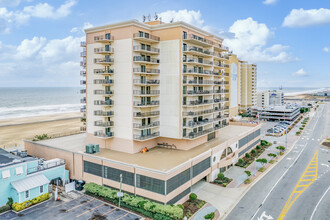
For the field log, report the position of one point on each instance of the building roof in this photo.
(29, 182)
(8, 159)
(277, 108)
(157, 159)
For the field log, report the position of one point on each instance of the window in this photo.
(184, 35)
(177, 181)
(184, 47)
(140, 34)
(151, 184)
(18, 171)
(41, 189)
(93, 168)
(27, 194)
(114, 174)
(201, 166)
(5, 174)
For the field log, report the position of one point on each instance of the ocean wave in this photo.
(304, 92)
(21, 111)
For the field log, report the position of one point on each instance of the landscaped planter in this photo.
(191, 207)
(21, 206)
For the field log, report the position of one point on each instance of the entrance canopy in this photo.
(29, 182)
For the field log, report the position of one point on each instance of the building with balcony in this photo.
(171, 88)
(247, 86)
(270, 98)
(23, 177)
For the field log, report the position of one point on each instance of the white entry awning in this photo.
(29, 182)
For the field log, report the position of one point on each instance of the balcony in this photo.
(83, 64)
(83, 43)
(197, 61)
(219, 91)
(220, 47)
(103, 92)
(192, 38)
(195, 71)
(198, 82)
(103, 134)
(105, 103)
(145, 60)
(103, 60)
(145, 37)
(105, 124)
(146, 114)
(83, 109)
(146, 137)
(103, 50)
(103, 39)
(144, 126)
(83, 73)
(225, 74)
(197, 51)
(83, 128)
(146, 93)
(146, 49)
(194, 124)
(83, 54)
(220, 56)
(146, 71)
(198, 102)
(197, 92)
(103, 113)
(83, 100)
(193, 135)
(83, 91)
(146, 104)
(103, 71)
(197, 113)
(220, 65)
(146, 82)
(103, 81)
(82, 82)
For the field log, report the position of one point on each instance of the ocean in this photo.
(25, 102)
(289, 91)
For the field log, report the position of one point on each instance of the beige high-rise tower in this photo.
(248, 86)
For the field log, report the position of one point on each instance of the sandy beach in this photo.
(13, 131)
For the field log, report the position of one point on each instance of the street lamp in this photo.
(120, 194)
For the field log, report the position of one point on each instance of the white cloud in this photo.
(300, 72)
(81, 29)
(191, 17)
(326, 49)
(304, 18)
(10, 19)
(269, 2)
(250, 42)
(9, 3)
(27, 48)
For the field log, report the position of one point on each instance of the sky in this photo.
(288, 40)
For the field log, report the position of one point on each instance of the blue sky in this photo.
(288, 40)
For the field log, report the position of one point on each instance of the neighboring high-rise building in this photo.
(165, 90)
(248, 86)
(270, 98)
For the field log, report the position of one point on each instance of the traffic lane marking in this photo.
(108, 212)
(89, 210)
(79, 205)
(69, 201)
(122, 216)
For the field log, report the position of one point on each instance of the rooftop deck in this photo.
(158, 158)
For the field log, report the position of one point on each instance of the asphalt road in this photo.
(279, 188)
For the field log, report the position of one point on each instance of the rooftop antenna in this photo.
(143, 18)
(172, 20)
(156, 16)
(149, 17)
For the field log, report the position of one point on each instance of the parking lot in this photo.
(82, 207)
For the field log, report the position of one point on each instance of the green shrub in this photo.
(20, 206)
(271, 155)
(240, 161)
(248, 172)
(301, 128)
(192, 196)
(248, 181)
(225, 184)
(280, 148)
(4, 208)
(262, 161)
(298, 133)
(272, 161)
(281, 153)
(10, 202)
(218, 181)
(247, 155)
(40, 137)
(261, 169)
(180, 206)
(253, 151)
(258, 147)
(209, 216)
(221, 176)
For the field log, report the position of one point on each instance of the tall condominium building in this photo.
(169, 88)
(270, 98)
(248, 86)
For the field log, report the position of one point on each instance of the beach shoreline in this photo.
(13, 131)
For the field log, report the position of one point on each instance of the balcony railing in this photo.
(103, 123)
(192, 70)
(196, 60)
(146, 49)
(198, 50)
(83, 100)
(83, 43)
(83, 109)
(145, 59)
(205, 82)
(103, 92)
(103, 113)
(193, 124)
(147, 136)
(146, 70)
(103, 81)
(46, 165)
(197, 92)
(146, 104)
(199, 102)
(146, 114)
(103, 60)
(82, 82)
(82, 63)
(196, 113)
(103, 50)
(151, 92)
(199, 39)
(103, 38)
(101, 102)
(146, 82)
(143, 126)
(83, 54)
(103, 134)
(192, 135)
(83, 73)
(103, 71)
(145, 36)
(220, 46)
(83, 91)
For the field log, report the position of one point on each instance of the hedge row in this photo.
(144, 206)
(4, 208)
(20, 206)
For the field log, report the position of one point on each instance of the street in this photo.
(298, 186)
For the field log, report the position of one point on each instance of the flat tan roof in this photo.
(158, 158)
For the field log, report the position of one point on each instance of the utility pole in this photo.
(120, 194)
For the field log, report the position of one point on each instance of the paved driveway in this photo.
(83, 207)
